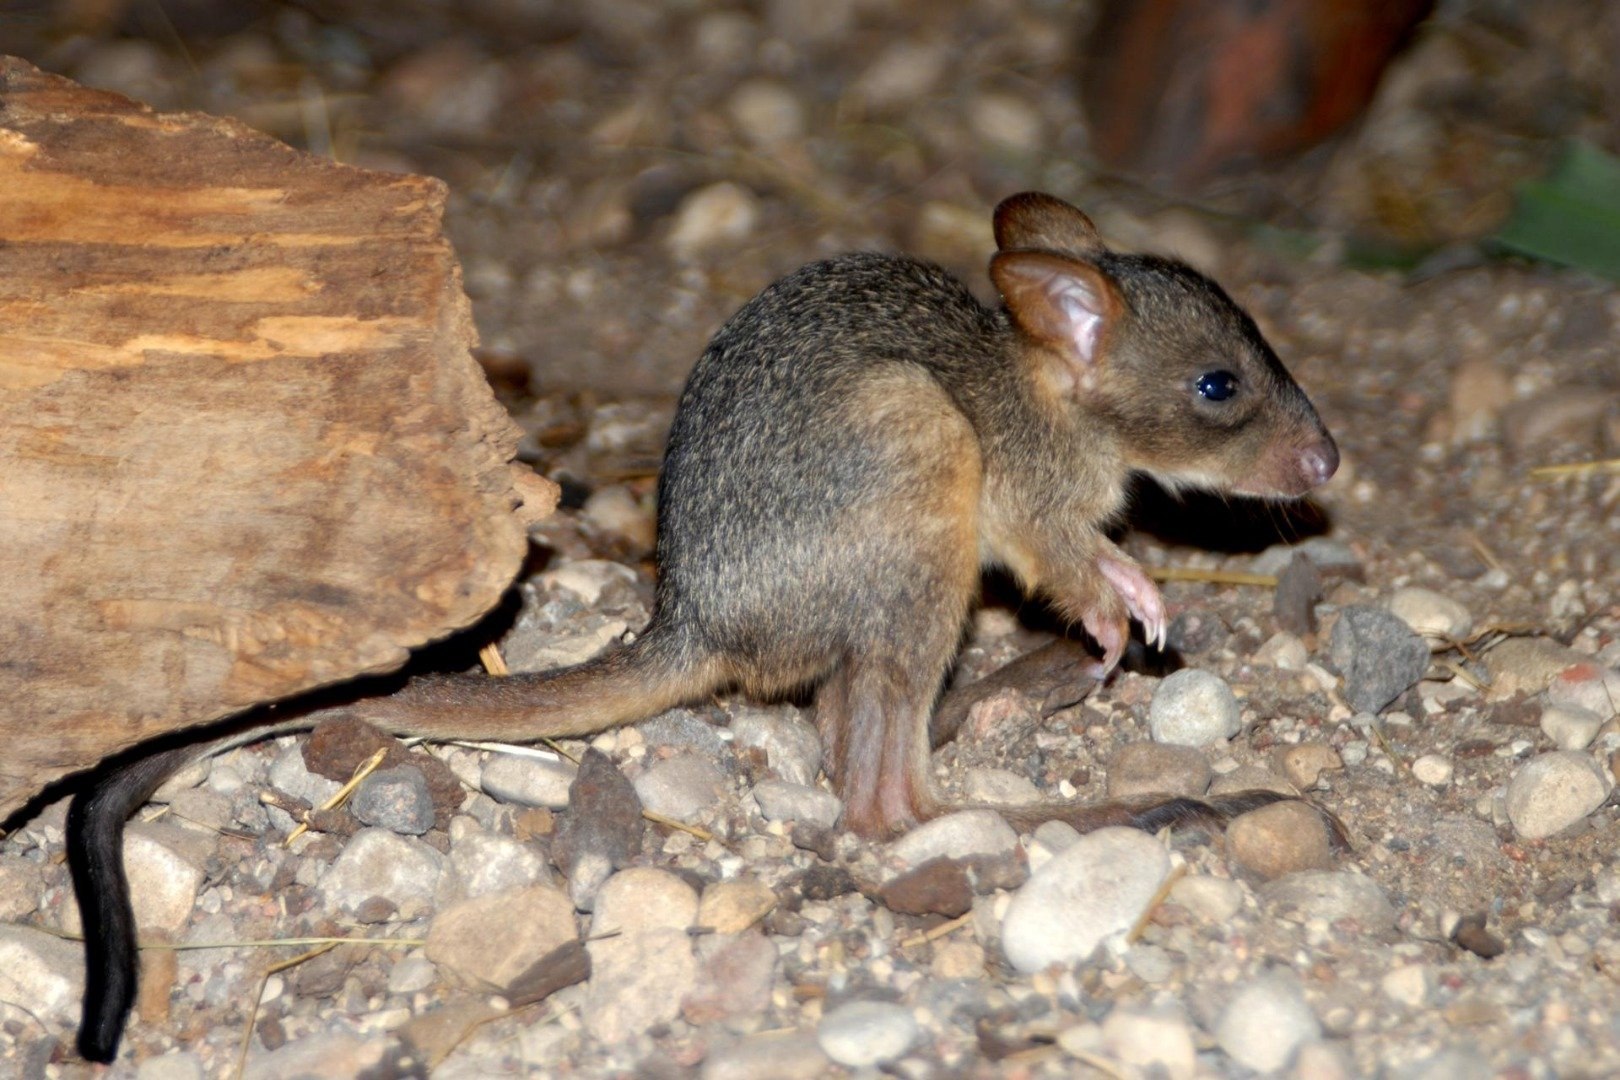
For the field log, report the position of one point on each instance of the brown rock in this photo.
(604, 815)
(730, 907)
(1280, 839)
(493, 940)
(736, 979)
(937, 887)
(1304, 764)
(1299, 589)
(1149, 768)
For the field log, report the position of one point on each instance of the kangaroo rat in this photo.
(853, 446)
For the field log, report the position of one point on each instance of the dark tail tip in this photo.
(1220, 810)
(95, 848)
(95, 853)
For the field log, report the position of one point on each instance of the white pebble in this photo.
(1433, 769)
(1266, 1022)
(958, 836)
(1098, 886)
(1192, 707)
(528, 780)
(767, 113)
(862, 1034)
(1410, 985)
(1154, 1042)
(1570, 727)
(1553, 791)
(1434, 615)
(713, 216)
(1587, 686)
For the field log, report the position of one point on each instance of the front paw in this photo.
(1140, 595)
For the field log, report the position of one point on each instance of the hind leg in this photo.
(873, 715)
(873, 710)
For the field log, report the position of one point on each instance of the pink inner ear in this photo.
(1081, 308)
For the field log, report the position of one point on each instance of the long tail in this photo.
(656, 672)
(95, 850)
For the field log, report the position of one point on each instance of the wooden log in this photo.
(244, 448)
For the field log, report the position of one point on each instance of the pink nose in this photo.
(1317, 463)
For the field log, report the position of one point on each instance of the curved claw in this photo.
(1141, 598)
(1113, 633)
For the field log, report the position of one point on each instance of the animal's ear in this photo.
(1032, 219)
(1065, 304)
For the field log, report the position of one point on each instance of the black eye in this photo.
(1216, 385)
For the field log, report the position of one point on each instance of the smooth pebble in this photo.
(1266, 1022)
(956, 836)
(863, 1034)
(1570, 727)
(1431, 614)
(1098, 886)
(1193, 707)
(782, 800)
(1553, 791)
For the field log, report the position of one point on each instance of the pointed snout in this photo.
(1318, 462)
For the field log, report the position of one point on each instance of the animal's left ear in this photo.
(1033, 219)
(1065, 304)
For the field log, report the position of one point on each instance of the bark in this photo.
(244, 448)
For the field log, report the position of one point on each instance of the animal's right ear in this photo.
(1033, 219)
(1065, 304)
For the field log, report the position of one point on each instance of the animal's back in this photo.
(794, 458)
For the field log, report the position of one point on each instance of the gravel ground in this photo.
(1444, 676)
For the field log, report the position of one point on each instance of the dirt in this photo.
(575, 138)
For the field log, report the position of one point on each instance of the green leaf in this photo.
(1572, 217)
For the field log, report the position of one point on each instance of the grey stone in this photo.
(790, 742)
(528, 781)
(395, 799)
(780, 800)
(289, 774)
(776, 1055)
(1328, 554)
(1157, 768)
(685, 787)
(41, 973)
(175, 1065)
(1330, 895)
(998, 787)
(330, 1055)
(1379, 656)
(642, 964)
(165, 869)
(21, 882)
(486, 862)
